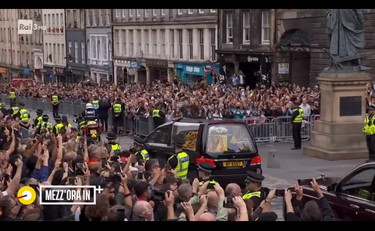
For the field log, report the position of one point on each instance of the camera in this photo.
(211, 186)
(114, 158)
(228, 202)
(157, 195)
(304, 181)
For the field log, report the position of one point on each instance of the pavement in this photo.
(293, 164)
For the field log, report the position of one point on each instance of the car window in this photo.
(160, 135)
(229, 138)
(190, 131)
(360, 184)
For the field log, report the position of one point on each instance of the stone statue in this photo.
(346, 30)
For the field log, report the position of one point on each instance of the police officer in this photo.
(15, 110)
(24, 116)
(141, 154)
(95, 104)
(369, 130)
(255, 191)
(112, 144)
(66, 122)
(39, 117)
(118, 114)
(12, 97)
(297, 117)
(180, 160)
(44, 124)
(59, 125)
(204, 173)
(158, 116)
(55, 100)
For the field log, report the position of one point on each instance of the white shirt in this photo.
(306, 109)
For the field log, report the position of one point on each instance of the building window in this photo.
(162, 12)
(117, 44)
(155, 45)
(98, 48)
(153, 12)
(190, 11)
(201, 11)
(146, 39)
(124, 42)
(123, 13)
(171, 32)
(179, 11)
(201, 44)
(229, 24)
(130, 13)
(213, 44)
(138, 13)
(212, 10)
(180, 44)
(162, 38)
(139, 39)
(83, 52)
(70, 50)
(131, 43)
(117, 13)
(246, 27)
(93, 49)
(105, 51)
(76, 51)
(190, 34)
(265, 27)
(146, 13)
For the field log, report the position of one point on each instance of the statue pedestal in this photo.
(338, 134)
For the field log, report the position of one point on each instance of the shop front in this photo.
(158, 69)
(192, 73)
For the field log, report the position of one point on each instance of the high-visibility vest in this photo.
(116, 148)
(15, 110)
(47, 125)
(144, 154)
(369, 128)
(55, 99)
(298, 118)
(81, 124)
(91, 123)
(12, 95)
(38, 120)
(182, 165)
(155, 113)
(117, 108)
(1, 105)
(58, 127)
(249, 195)
(24, 115)
(95, 104)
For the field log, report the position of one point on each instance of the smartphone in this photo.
(304, 181)
(71, 180)
(280, 192)
(210, 186)
(140, 175)
(167, 167)
(104, 162)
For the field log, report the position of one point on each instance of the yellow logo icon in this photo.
(26, 195)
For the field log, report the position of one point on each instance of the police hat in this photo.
(205, 167)
(111, 136)
(57, 118)
(179, 140)
(45, 117)
(64, 118)
(39, 111)
(138, 140)
(254, 177)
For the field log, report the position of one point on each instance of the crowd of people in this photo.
(200, 101)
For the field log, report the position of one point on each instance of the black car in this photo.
(351, 197)
(226, 144)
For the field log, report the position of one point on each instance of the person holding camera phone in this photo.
(179, 161)
(255, 191)
(204, 171)
(140, 154)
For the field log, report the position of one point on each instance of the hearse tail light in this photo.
(256, 160)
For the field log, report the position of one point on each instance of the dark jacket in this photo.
(103, 109)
